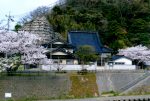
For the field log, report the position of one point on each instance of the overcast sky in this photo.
(20, 8)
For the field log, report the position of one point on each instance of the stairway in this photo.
(134, 82)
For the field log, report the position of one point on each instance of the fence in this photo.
(68, 67)
(121, 67)
(88, 67)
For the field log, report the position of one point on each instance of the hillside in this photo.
(120, 23)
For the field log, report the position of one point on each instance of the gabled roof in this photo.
(80, 38)
(56, 39)
(64, 51)
(116, 57)
(64, 45)
(67, 46)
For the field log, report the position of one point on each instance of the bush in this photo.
(83, 72)
(62, 71)
(112, 93)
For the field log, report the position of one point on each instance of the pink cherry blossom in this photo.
(24, 43)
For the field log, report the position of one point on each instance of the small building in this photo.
(63, 56)
(61, 52)
(120, 62)
(80, 38)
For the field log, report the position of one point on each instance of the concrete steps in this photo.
(133, 83)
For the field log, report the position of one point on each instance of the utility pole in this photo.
(9, 19)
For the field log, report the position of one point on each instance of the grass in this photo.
(83, 85)
(110, 93)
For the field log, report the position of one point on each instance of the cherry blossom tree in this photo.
(23, 43)
(9, 64)
(141, 53)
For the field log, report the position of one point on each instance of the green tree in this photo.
(86, 54)
(120, 23)
(17, 27)
(139, 25)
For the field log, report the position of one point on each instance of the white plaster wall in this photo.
(88, 67)
(63, 61)
(120, 67)
(59, 53)
(58, 43)
(68, 67)
(125, 60)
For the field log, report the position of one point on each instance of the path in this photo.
(118, 98)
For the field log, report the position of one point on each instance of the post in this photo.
(8, 21)
(51, 52)
(101, 60)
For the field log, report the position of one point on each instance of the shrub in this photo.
(83, 72)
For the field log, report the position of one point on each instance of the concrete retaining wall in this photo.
(113, 80)
(140, 88)
(41, 87)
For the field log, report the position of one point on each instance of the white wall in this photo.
(126, 66)
(120, 67)
(88, 67)
(125, 60)
(59, 53)
(68, 67)
(58, 42)
(65, 61)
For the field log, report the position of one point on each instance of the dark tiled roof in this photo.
(106, 50)
(80, 38)
(67, 46)
(64, 45)
(115, 57)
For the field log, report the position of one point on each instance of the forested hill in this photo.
(120, 23)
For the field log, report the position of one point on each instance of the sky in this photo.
(20, 8)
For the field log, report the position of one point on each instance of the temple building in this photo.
(62, 51)
(80, 38)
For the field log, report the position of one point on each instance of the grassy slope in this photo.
(83, 85)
